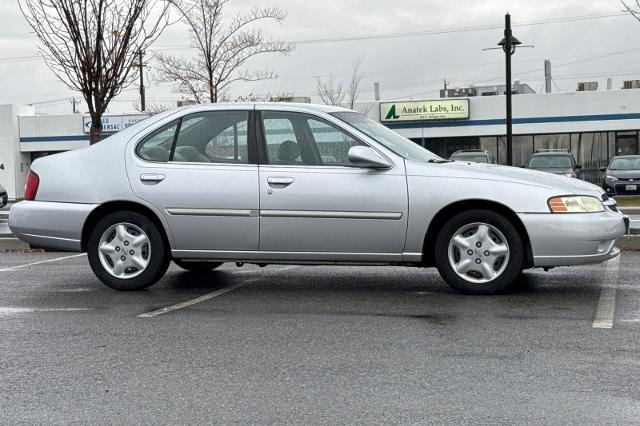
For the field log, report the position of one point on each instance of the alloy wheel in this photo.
(124, 250)
(478, 252)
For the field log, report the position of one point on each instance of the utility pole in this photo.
(75, 105)
(547, 76)
(143, 105)
(446, 95)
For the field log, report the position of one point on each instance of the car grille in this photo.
(621, 189)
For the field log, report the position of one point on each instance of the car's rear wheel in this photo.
(127, 252)
(198, 266)
(479, 252)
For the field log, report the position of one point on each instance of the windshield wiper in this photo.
(439, 161)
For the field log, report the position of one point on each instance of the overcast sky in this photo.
(406, 67)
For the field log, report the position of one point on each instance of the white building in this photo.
(593, 125)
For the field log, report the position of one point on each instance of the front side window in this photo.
(283, 146)
(331, 143)
(157, 146)
(213, 137)
(302, 139)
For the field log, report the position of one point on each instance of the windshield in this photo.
(550, 162)
(472, 158)
(632, 163)
(386, 137)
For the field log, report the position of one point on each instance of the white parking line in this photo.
(57, 259)
(12, 310)
(606, 309)
(192, 302)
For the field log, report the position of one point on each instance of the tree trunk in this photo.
(96, 129)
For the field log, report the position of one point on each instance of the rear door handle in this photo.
(280, 182)
(152, 178)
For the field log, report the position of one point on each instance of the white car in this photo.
(289, 183)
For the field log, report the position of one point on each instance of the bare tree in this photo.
(332, 92)
(92, 45)
(356, 78)
(633, 10)
(151, 108)
(222, 49)
(268, 97)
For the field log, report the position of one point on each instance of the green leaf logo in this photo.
(391, 115)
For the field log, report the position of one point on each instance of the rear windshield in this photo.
(550, 162)
(625, 164)
(472, 158)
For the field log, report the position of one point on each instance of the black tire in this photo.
(198, 266)
(158, 258)
(513, 265)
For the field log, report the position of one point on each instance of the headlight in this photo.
(575, 204)
(611, 178)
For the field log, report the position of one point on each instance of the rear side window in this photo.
(213, 137)
(157, 146)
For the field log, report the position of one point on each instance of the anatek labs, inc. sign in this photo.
(443, 109)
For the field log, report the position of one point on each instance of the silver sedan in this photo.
(303, 184)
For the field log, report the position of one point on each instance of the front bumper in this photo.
(573, 239)
(49, 225)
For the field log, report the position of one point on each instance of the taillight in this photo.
(31, 187)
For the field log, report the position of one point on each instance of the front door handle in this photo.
(280, 182)
(152, 178)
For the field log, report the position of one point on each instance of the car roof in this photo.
(626, 156)
(266, 106)
(540, 154)
(470, 153)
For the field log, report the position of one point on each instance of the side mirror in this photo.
(578, 166)
(365, 156)
(603, 169)
(523, 166)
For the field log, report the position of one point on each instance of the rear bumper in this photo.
(573, 239)
(50, 225)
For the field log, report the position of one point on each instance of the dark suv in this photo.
(556, 161)
(622, 176)
(474, 156)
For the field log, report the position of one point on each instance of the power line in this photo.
(460, 29)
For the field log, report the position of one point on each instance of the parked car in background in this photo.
(556, 161)
(298, 184)
(3, 197)
(622, 176)
(474, 156)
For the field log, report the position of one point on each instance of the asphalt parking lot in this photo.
(317, 345)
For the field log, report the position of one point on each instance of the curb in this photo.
(629, 242)
(629, 210)
(12, 243)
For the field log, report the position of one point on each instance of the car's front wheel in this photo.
(126, 251)
(479, 252)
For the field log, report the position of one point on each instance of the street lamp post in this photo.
(509, 44)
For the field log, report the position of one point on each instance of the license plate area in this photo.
(631, 187)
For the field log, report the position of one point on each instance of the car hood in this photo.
(493, 172)
(555, 170)
(624, 174)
